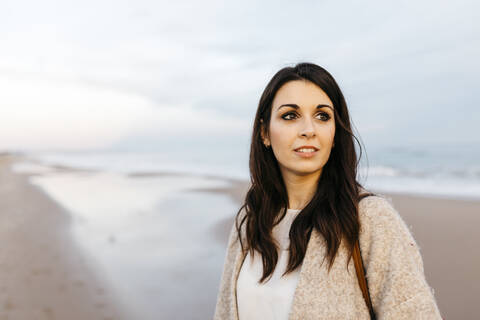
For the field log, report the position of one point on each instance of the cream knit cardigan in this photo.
(393, 264)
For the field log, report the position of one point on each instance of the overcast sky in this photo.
(96, 74)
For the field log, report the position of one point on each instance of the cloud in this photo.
(51, 115)
(39, 114)
(191, 66)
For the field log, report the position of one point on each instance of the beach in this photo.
(158, 253)
(43, 274)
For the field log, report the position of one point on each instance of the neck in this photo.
(300, 188)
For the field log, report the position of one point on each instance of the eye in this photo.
(287, 115)
(325, 116)
(291, 115)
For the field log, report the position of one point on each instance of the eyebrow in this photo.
(295, 106)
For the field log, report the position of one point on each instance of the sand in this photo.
(45, 275)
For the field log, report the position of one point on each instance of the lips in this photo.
(306, 147)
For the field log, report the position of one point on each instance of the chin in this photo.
(306, 171)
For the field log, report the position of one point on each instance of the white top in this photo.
(272, 299)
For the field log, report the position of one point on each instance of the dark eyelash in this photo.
(287, 114)
(326, 115)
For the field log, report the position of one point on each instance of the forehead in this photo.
(304, 93)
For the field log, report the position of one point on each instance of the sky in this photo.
(97, 75)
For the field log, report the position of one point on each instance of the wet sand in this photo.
(45, 275)
(124, 258)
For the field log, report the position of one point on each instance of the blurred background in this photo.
(125, 129)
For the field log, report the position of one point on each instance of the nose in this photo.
(308, 129)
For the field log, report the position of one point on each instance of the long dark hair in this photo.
(333, 210)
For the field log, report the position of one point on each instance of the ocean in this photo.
(436, 171)
(154, 238)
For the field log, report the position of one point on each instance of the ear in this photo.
(264, 134)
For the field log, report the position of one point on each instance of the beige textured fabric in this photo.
(394, 270)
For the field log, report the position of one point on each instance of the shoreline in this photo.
(444, 228)
(44, 275)
(153, 259)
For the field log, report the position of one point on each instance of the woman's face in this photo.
(302, 115)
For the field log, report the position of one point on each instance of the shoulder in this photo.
(382, 229)
(394, 265)
(378, 212)
(376, 205)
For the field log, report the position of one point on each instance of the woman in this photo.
(304, 213)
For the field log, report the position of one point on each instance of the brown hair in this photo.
(333, 210)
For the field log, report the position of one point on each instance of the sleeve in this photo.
(394, 266)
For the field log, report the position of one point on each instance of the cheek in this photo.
(281, 135)
(327, 134)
